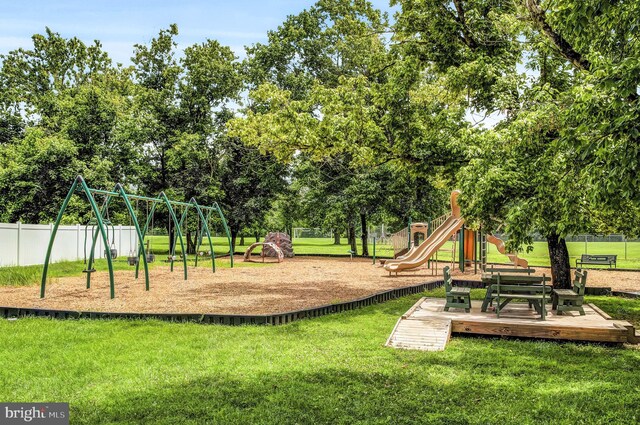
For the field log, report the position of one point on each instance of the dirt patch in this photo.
(297, 283)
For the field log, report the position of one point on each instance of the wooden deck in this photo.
(516, 320)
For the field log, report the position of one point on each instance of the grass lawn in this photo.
(32, 275)
(333, 369)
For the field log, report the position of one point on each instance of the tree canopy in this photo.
(344, 116)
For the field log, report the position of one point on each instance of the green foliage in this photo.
(34, 176)
(561, 159)
(250, 182)
(380, 114)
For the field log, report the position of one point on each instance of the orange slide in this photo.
(499, 243)
(428, 248)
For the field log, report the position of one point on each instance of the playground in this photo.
(322, 212)
(344, 352)
(294, 284)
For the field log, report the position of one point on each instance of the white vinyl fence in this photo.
(26, 244)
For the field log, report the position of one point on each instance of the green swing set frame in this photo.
(79, 185)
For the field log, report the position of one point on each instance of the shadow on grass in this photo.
(408, 392)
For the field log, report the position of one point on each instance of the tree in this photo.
(181, 105)
(33, 80)
(451, 59)
(250, 182)
(533, 172)
(35, 175)
(66, 100)
(358, 116)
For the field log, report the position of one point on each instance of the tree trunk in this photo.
(365, 235)
(172, 239)
(242, 240)
(560, 265)
(187, 236)
(192, 242)
(336, 237)
(234, 235)
(351, 235)
(257, 235)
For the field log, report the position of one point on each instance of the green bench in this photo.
(456, 297)
(503, 270)
(506, 270)
(599, 260)
(571, 299)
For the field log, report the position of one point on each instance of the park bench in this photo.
(571, 299)
(456, 297)
(490, 271)
(505, 288)
(601, 260)
(494, 270)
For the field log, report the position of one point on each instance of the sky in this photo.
(120, 24)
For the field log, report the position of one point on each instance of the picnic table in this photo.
(508, 287)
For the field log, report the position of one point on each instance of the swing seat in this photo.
(151, 258)
(132, 260)
(88, 270)
(114, 253)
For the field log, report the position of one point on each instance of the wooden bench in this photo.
(571, 299)
(494, 270)
(456, 297)
(599, 260)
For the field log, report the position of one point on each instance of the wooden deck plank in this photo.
(427, 320)
(428, 334)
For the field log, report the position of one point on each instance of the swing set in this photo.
(101, 223)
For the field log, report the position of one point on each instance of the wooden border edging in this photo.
(626, 294)
(228, 319)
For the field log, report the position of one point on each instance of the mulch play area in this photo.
(295, 284)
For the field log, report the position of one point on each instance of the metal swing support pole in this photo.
(119, 192)
(182, 219)
(144, 234)
(78, 182)
(94, 239)
(124, 196)
(79, 185)
(205, 225)
(226, 229)
(163, 196)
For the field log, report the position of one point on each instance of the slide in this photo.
(428, 248)
(404, 255)
(499, 243)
